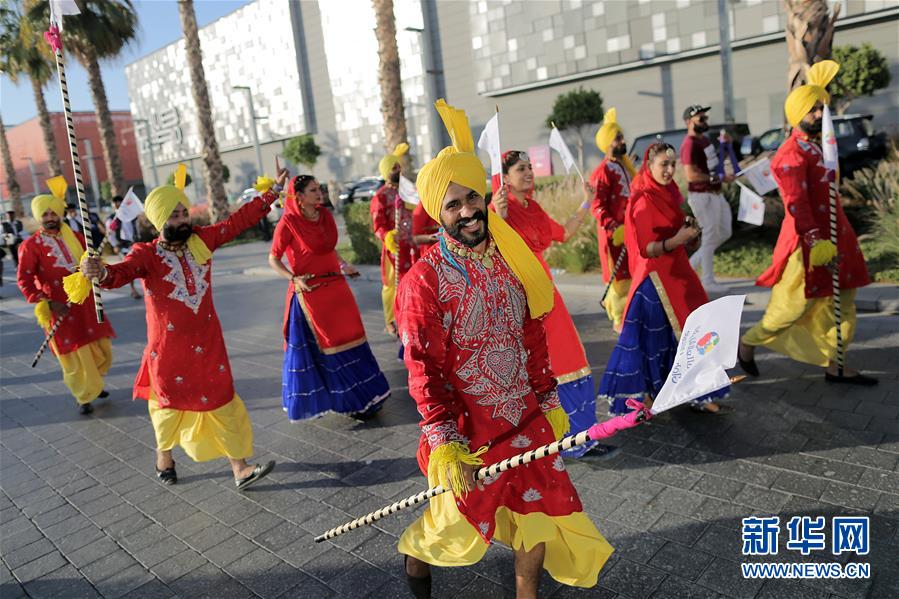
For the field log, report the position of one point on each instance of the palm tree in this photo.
(101, 31)
(389, 78)
(809, 35)
(11, 184)
(215, 185)
(24, 54)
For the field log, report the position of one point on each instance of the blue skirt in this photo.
(313, 383)
(579, 402)
(645, 352)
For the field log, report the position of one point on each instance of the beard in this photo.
(620, 150)
(813, 128)
(701, 127)
(180, 233)
(455, 230)
(52, 226)
(394, 178)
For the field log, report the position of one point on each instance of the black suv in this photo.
(737, 131)
(857, 143)
(362, 189)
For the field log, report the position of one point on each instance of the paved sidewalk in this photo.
(83, 515)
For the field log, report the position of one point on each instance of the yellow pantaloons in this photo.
(802, 328)
(575, 550)
(222, 432)
(616, 300)
(388, 293)
(83, 369)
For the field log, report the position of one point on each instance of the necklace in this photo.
(313, 218)
(178, 249)
(486, 259)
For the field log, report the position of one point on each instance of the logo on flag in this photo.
(752, 206)
(707, 343)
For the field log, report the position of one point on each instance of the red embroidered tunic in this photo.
(423, 224)
(654, 214)
(798, 168)
(539, 231)
(185, 361)
(383, 209)
(330, 308)
(479, 374)
(44, 260)
(609, 207)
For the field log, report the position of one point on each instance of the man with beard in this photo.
(700, 159)
(391, 221)
(612, 181)
(469, 319)
(184, 375)
(799, 320)
(81, 345)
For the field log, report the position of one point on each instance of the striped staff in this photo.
(55, 40)
(618, 263)
(597, 431)
(832, 163)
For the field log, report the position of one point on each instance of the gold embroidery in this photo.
(666, 303)
(573, 376)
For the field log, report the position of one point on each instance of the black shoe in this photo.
(858, 379)
(420, 586)
(85, 409)
(748, 366)
(103, 394)
(259, 472)
(167, 476)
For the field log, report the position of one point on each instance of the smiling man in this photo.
(469, 319)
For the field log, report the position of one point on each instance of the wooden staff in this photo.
(55, 40)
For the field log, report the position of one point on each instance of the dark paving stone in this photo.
(725, 577)
(631, 579)
(681, 560)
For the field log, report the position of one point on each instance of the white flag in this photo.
(130, 208)
(707, 346)
(759, 175)
(558, 144)
(60, 8)
(829, 142)
(489, 142)
(408, 192)
(752, 206)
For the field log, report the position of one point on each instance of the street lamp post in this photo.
(149, 129)
(253, 120)
(434, 123)
(726, 69)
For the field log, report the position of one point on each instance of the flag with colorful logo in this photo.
(489, 142)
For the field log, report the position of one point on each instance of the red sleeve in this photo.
(790, 173)
(686, 151)
(421, 330)
(539, 372)
(600, 206)
(280, 239)
(217, 235)
(379, 221)
(134, 266)
(556, 231)
(26, 276)
(642, 217)
(421, 221)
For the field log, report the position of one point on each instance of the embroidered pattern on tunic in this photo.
(177, 278)
(622, 178)
(55, 247)
(441, 433)
(520, 442)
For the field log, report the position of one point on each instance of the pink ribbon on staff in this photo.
(53, 38)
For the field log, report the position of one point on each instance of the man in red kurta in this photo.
(799, 320)
(391, 221)
(81, 344)
(479, 373)
(612, 181)
(185, 375)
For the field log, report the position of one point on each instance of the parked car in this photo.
(737, 131)
(858, 144)
(362, 189)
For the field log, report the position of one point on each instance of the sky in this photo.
(158, 26)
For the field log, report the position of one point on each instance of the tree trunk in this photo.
(11, 184)
(46, 128)
(104, 123)
(580, 148)
(809, 36)
(215, 186)
(392, 109)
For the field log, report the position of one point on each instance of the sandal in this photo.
(420, 586)
(259, 472)
(167, 476)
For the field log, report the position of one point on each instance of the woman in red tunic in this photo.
(664, 288)
(566, 353)
(328, 365)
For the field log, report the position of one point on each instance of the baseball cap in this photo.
(695, 109)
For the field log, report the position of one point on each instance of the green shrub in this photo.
(366, 247)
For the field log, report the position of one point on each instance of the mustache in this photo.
(477, 216)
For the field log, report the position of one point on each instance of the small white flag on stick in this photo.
(130, 208)
(829, 142)
(752, 206)
(760, 177)
(408, 192)
(60, 8)
(557, 143)
(707, 346)
(489, 142)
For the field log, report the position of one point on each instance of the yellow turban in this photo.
(387, 162)
(163, 200)
(803, 98)
(56, 202)
(606, 135)
(459, 164)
